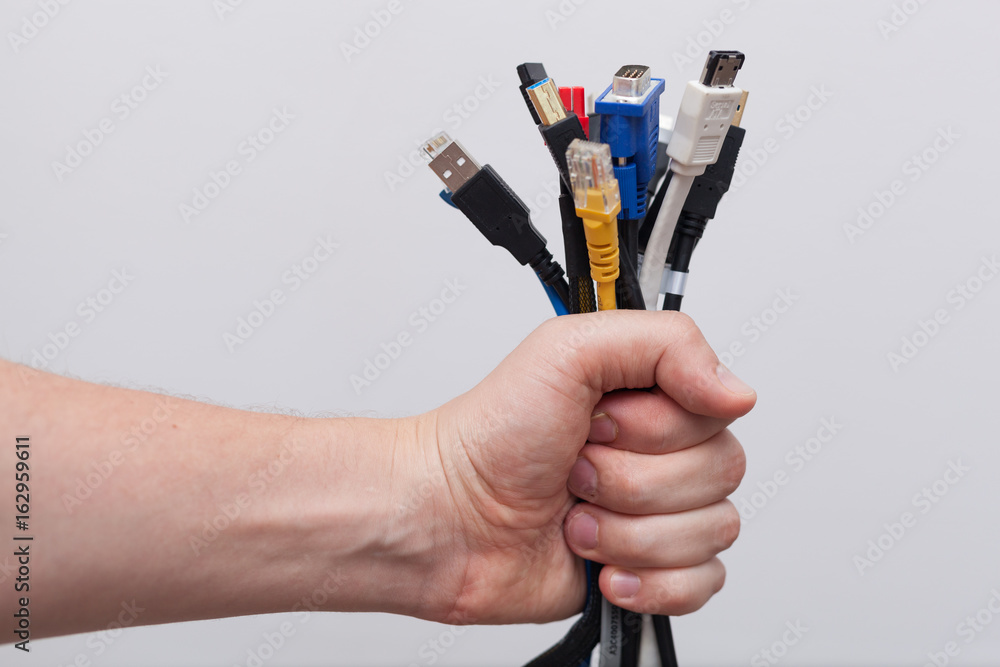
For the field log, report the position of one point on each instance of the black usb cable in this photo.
(499, 214)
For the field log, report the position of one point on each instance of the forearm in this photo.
(196, 511)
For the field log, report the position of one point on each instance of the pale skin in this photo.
(466, 514)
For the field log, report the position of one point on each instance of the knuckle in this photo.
(679, 594)
(632, 490)
(684, 323)
(728, 528)
(735, 465)
(550, 329)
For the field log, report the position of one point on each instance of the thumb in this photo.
(600, 352)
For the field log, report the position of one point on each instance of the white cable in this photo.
(659, 238)
(707, 110)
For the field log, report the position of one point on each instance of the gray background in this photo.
(355, 120)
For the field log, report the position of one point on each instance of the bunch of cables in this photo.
(635, 199)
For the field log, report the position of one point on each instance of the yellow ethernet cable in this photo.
(595, 194)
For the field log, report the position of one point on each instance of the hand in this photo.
(466, 514)
(566, 416)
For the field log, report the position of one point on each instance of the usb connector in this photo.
(530, 74)
(557, 127)
(548, 105)
(449, 161)
(489, 204)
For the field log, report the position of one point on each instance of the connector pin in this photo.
(631, 81)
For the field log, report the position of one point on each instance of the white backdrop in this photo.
(886, 108)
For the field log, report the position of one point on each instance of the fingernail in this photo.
(583, 478)
(582, 531)
(624, 584)
(731, 382)
(603, 428)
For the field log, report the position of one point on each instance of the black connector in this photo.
(496, 211)
(558, 137)
(557, 127)
(530, 74)
(721, 68)
(500, 215)
(700, 206)
(706, 191)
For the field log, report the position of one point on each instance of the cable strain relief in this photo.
(545, 266)
(691, 224)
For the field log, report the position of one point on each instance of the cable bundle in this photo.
(634, 205)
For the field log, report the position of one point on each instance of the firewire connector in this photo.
(706, 112)
(489, 203)
(721, 68)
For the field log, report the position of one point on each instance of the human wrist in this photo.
(358, 526)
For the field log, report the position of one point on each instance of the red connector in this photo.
(575, 101)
